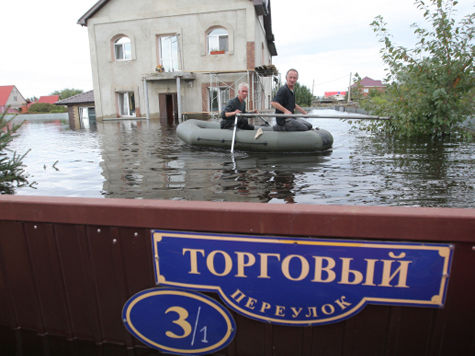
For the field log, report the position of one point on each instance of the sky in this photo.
(44, 49)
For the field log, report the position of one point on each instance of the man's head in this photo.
(291, 77)
(243, 90)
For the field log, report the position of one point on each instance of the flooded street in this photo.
(142, 160)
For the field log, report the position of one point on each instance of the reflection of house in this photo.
(367, 84)
(80, 107)
(335, 95)
(164, 58)
(10, 96)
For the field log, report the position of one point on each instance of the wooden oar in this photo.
(311, 116)
(234, 133)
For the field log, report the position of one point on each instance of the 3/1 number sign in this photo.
(178, 322)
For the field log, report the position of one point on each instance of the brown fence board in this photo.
(459, 312)
(47, 273)
(328, 339)
(111, 290)
(78, 279)
(19, 280)
(370, 324)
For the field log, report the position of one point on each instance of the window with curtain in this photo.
(169, 53)
(126, 103)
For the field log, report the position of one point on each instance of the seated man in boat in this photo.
(284, 103)
(236, 106)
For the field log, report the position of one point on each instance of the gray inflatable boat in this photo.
(209, 133)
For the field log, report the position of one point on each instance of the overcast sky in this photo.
(44, 49)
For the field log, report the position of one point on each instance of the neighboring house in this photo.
(366, 84)
(10, 97)
(159, 58)
(335, 95)
(80, 106)
(49, 99)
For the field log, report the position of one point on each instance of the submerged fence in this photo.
(68, 265)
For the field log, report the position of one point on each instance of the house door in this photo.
(168, 108)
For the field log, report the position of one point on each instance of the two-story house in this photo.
(160, 58)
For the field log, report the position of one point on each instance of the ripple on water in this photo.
(141, 159)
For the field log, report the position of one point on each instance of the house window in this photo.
(217, 41)
(122, 49)
(169, 53)
(126, 103)
(218, 98)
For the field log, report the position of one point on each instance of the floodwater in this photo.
(144, 160)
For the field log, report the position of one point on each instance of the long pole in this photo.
(310, 116)
(147, 109)
(178, 96)
(234, 133)
(349, 89)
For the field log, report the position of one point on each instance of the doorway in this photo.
(168, 108)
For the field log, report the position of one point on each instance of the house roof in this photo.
(82, 98)
(5, 92)
(368, 82)
(49, 99)
(262, 8)
(95, 8)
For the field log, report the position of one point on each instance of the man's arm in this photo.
(278, 106)
(300, 109)
(230, 110)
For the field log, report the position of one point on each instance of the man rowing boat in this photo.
(236, 106)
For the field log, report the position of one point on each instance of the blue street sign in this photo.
(178, 322)
(302, 281)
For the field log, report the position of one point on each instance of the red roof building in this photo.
(50, 99)
(46, 99)
(366, 84)
(11, 98)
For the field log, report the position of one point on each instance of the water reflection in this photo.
(421, 171)
(141, 159)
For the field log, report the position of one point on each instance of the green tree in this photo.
(303, 95)
(46, 108)
(431, 87)
(66, 93)
(12, 173)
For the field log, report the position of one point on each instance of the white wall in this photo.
(142, 22)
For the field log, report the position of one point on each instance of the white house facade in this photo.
(10, 99)
(163, 59)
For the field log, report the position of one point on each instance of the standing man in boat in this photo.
(284, 103)
(236, 106)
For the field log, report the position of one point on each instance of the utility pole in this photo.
(349, 90)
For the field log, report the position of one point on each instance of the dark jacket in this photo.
(228, 122)
(286, 98)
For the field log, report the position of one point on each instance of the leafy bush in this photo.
(431, 87)
(46, 108)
